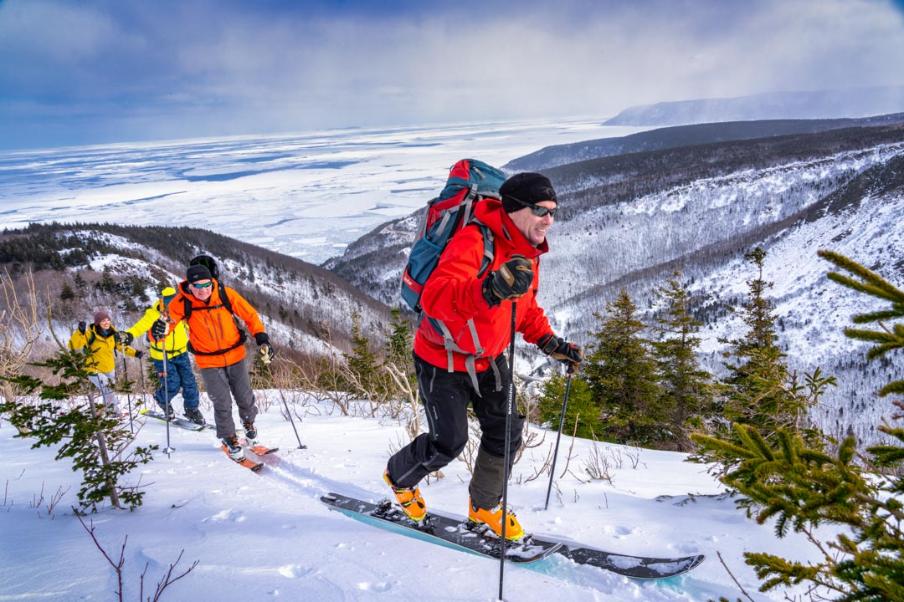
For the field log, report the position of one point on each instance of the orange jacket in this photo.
(212, 332)
(454, 295)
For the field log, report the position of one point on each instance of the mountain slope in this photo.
(305, 308)
(628, 220)
(685, 135)
(856, 102)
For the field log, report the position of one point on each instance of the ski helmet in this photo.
(208, 262)
(167, 295)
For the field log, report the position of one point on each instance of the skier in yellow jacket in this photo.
(179, 374)
(102, 342)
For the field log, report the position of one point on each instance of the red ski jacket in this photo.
(453, 294)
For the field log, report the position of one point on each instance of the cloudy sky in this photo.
(91, 71)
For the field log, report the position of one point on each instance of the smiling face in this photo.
(105, 324)
(202, 289)
(533, 227)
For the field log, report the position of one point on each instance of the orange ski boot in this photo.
(493, 520)
(409, 499)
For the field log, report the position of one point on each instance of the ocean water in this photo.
(307, 195)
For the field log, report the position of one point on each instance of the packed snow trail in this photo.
(267, 536)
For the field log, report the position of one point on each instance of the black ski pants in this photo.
(446, 397)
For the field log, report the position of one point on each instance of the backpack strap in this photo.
(186, 305)
(469, 203)
(489, 247)
(226, 303)
(449, 342)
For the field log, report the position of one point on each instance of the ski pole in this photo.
(555, 454)
(144, 390)
(128, 385)
(508, 442)
(288, 413)
(168, 449)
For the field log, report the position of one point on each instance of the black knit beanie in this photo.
(196, 273)
(526, 189)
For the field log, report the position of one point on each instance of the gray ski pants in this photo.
(222, 385)
(103, 380)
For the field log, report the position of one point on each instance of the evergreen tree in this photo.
(362, 362)
(686, 390)
(758, 389)
(398, 346)
(622, 378)
(95, 441)
(581, 408)
(107, 284)
(398, 350)
(66, 293)
(870, 283)
(81, 287)
(802, 486)
(261, 374)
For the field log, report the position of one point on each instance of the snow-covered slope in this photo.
(629, 220)
(305, 308)
(267, 536)
(684, 135)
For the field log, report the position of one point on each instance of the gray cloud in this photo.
(200, 68)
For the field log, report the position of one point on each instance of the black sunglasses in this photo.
(537, 210)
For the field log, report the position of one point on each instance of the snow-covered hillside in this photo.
(685, 135)
(305, 308)
(267, 536)
(629, 220)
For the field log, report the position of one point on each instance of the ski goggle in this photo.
(537, 210)
(207, 284)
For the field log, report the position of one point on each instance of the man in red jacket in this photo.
(459, 349)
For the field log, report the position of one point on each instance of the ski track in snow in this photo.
(267, 535)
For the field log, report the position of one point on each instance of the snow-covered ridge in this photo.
(873, 100)
(679, 221)
(305, 308)
(802, 197)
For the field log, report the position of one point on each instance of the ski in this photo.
(443, 530)
(175, 421)
(636, 567)
(260, 450)
(246, 462)
(455, 532)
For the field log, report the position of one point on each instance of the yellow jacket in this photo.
(102, 348)
(175, 343)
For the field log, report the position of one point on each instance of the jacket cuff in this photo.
(535, 340)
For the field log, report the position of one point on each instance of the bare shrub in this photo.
(20, 328)
(410, 400)
(597, 465)
(165, 581)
